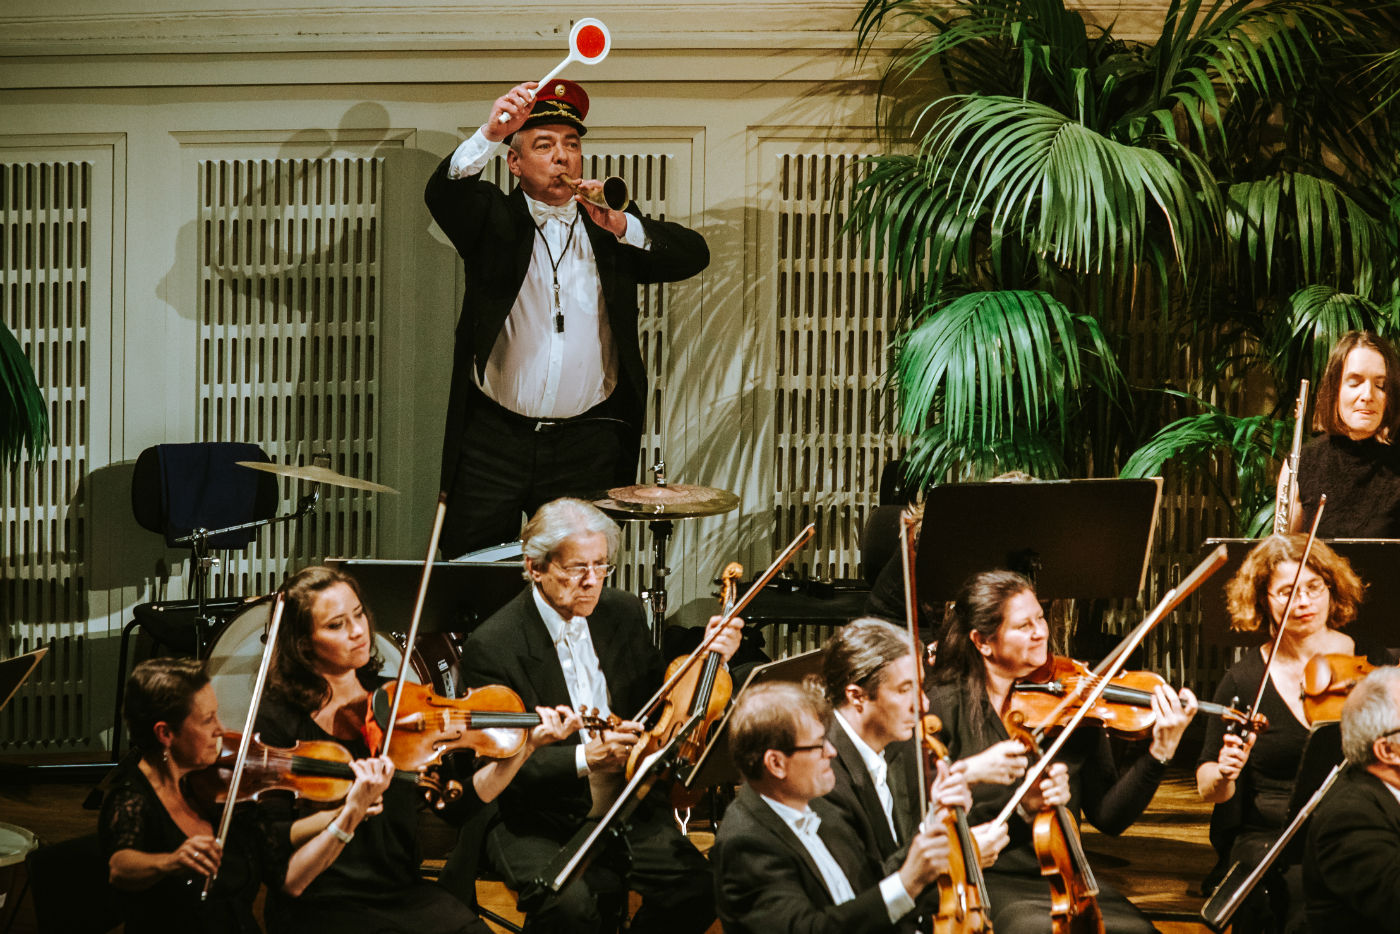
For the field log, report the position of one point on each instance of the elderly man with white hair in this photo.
(570, 640)
(1351, 868)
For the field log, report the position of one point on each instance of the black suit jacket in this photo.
(855, 798)
(1351, 870)
(766, 882)
(494, 234)
(513, 648)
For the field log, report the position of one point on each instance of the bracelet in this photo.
(341, 835)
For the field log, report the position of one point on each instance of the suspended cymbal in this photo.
(314, 474)
(673, 501)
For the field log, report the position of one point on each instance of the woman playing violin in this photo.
(160, 840)
(1355, 461)
(318, 688)
(996, 633)
(1250, 780)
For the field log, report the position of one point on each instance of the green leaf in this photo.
(23, 419)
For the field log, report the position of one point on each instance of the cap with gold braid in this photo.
(559, 101)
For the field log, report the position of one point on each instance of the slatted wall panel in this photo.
(834, 311)
(647, 177)
(46, 268)
(289, 308)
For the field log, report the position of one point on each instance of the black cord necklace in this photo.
(554, 268)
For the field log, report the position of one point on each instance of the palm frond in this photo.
(1088, 202)
(983, 363)
(935, 456)
(25, 423)
(1314, 318)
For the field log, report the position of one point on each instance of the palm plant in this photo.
(1067, 188)
(23, 423)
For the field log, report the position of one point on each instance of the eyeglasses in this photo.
(808, 748)
(1313, 590)
(579, 572)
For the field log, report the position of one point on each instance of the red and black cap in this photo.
(559, 101)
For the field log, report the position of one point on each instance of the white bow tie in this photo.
(575, 630)
(565, 213)
(807, 822)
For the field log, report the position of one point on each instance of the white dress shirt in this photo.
(582, 675)
(877, 767)
(804, 824)
(535, 369)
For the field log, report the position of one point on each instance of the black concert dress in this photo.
(1110, 799)
(374, 886)
(1243, 828)
(256, 852)
(1362, 483)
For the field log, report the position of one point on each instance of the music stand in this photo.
(1322, 751)
(1073, 538)
(460, 596)
(1373, 559)
(715, 766)
(14, 671)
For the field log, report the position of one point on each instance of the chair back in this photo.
(177, 488)
(70, 888)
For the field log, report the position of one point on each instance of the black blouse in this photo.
(1265, 785)
(1362, 483)
(1110, 799)
(379, 868)
(256, 852)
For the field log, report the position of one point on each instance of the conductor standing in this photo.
(548, 384)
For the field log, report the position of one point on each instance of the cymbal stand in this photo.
(201, 562)
(654, 594)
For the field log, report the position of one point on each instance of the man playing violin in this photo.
(785, 860)
(570, 640)
(548, 382)
(869, 678)
(1351, 866)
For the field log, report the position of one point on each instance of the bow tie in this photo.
(807, 822)
(575, 630)
(565, 213)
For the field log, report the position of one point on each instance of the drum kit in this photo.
(237, 644)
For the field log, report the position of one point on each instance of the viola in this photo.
(1074, 905)
(1125, 707)
(1327, 680)
(962, 906)
(702, 690)
(315, 770)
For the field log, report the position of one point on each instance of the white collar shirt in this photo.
(555, 357)
(573, 644)
(804, 824)
(877, 767)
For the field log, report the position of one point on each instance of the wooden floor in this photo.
(1156, 863)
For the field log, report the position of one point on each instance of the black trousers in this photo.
(511, 465)
(1021, 905)
(657, 862)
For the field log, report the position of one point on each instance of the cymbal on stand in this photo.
(314, 474)
(673, 501)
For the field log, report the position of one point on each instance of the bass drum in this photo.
(237, 652)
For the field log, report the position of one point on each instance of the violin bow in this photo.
(413, 625)
(1287, 610)
(273, 627)
(911, 620)
(1174, 597)
(783, 558)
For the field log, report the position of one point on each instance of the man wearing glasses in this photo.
(570, 638)
(1351, 866)
(784, 858)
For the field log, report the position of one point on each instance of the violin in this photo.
(1074, 906)
(962, 903)
(1124, 709)
(702, 690)
(491, 721)
(315, 770)
(1327, 680)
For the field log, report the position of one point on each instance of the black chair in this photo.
(68, 881)
(181, 492)
(879, 540)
